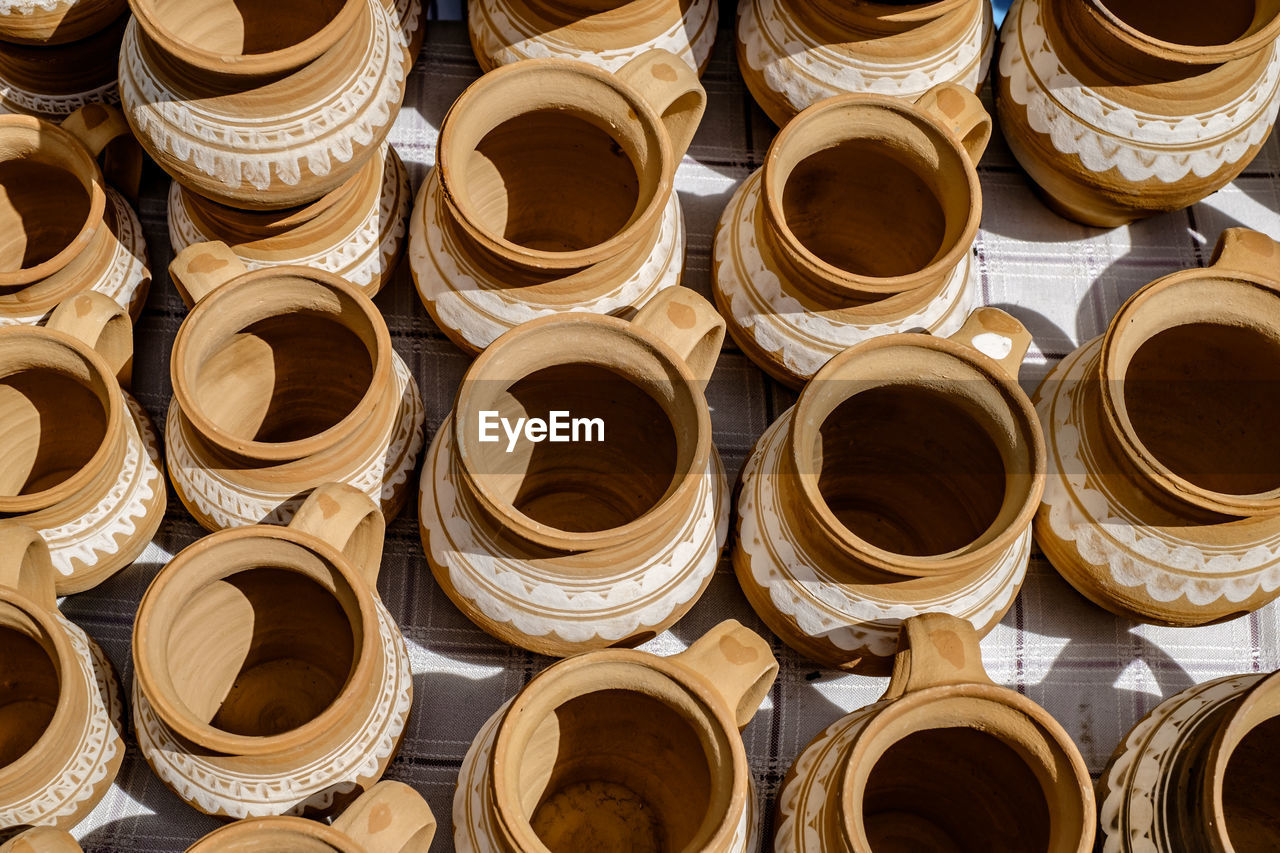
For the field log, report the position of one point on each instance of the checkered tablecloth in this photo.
(1097, 674)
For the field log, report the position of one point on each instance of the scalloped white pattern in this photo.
(538, 601)
(409, 15)
(380, 475)
(809, 595)
(362, 255)
(762, 306)
(1106, 134)
(504, 36)
(463, 297)
(803, 71)
(30, 7)
(315, 780)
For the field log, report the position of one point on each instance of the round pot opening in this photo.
(244, 27)
(30, 684)
(1250, 788)
(1192, 23)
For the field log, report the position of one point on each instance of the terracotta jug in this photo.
(1163, 500)
(65, 230)
(946, 760)
(356, 232)
(794, 53)
(61, 720)
(390, 817)
(54, 79)
(1196, 775)
(554, 191)
(1119, 109)
(81, 464)
(620, 750)
(42, 839)
(283, 378)
(904, 481)
(812, 256)
(607, 538)
(48, 22)
(269, 677)
(286, 104)
(607, 33)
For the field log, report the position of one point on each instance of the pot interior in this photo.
(43, 207)
(243, 27)
(1251, 788)
(29, 683)
(1190, 22)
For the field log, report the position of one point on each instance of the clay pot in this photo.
(1163, 501)
(812, 256)
(54, 80)
(49, 22)
(390, 817)
(66, 231)
(81, 464)
(621, 750)
(607, 33)
(554, 191)
(60, 712)
(1119, 109)
(356, 232)
(794, 53)
(903, 482)
(283, 378)
(945, 761)
(269, 678)
(285, 105)
(42, 839)
(412, 27)
(564, 547)
(1196, 775)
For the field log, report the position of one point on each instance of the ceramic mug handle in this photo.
(202, 268)
(738, 662)
(390, 817)
(935, 649)
(25, 564)
(1248, 251)
(963, 114)
(42, 839)
(673, 89)
(349, 520)
(689, 324)
(99, 321)
(997, 335)
(97, 126)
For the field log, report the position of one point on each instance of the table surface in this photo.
(1096, 673)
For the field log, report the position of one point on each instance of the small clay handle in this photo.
(936, 649)
(674, 91)
(1248, 251)
(202, 268)
(997, 335)
(42, 839)
(963, 114)
(690, 324)
(738, 662)
(25, 564)
(99, 321)
(97, 126)
(350, 521)
(390, 817)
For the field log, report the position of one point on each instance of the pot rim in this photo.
(804, 431)
(1212, 54)
(244, 830)
(1220, 754)
(840, 282)
(174, 714)
(642, 223)
(280, 451)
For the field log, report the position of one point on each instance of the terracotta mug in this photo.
(813, 253)
(390, 817)
(904, 481)
(65, 230)
(554, 191)
(1215, 739)
(283, 378)
(61, 721)
(50, 23)
(621, 750)
(269, 677)
(262, 106)
(41, 839)
(606, 33)
(946, 760)
(603, 539)
(1163, 500)
(81, 464)
(794, 53)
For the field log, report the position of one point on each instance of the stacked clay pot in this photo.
(272, 120)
